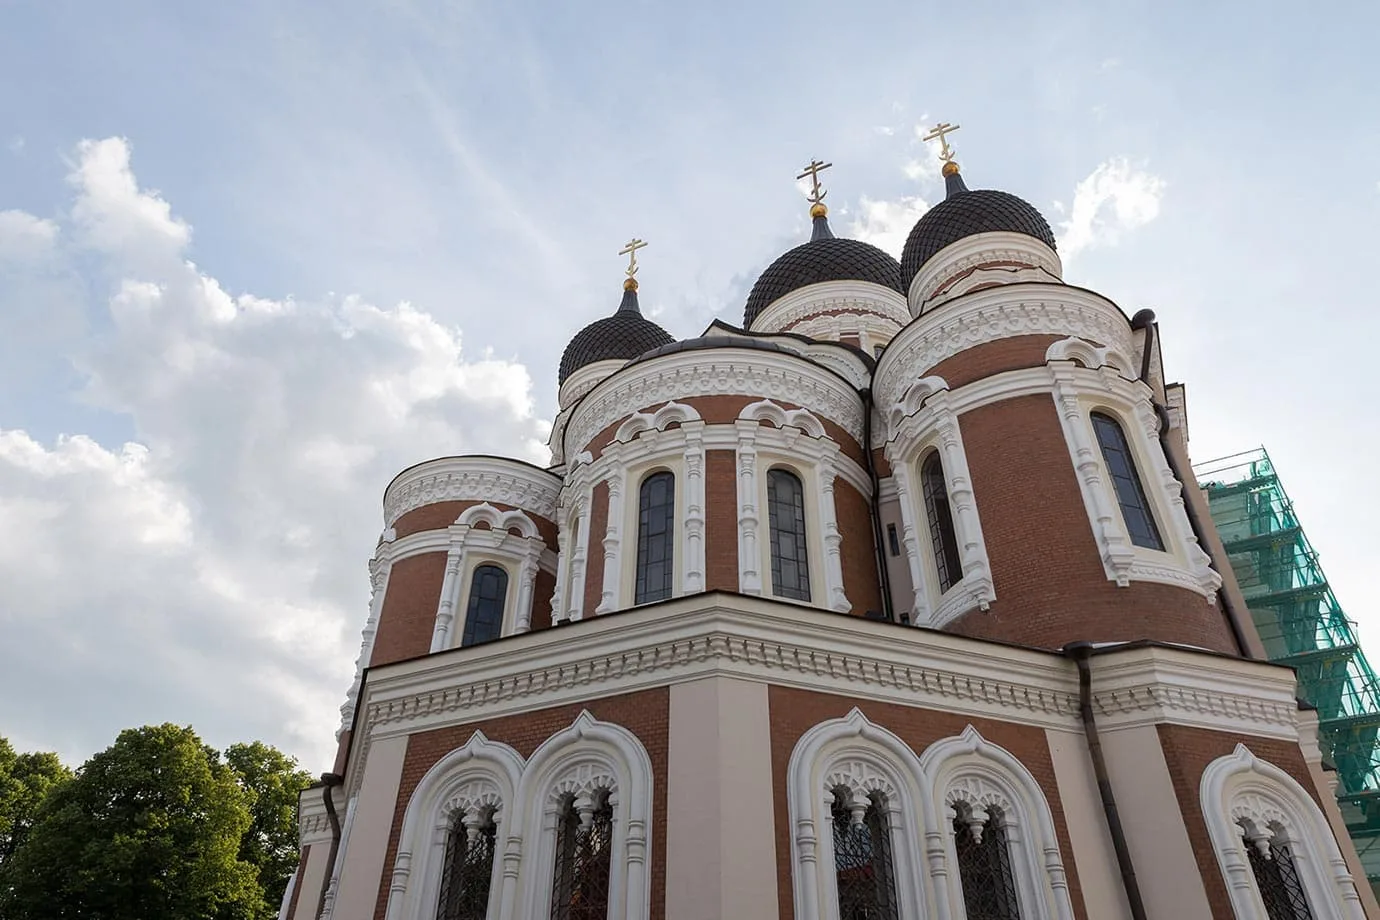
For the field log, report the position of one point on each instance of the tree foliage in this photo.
(25, 781)
(273, 782)
(150, 828)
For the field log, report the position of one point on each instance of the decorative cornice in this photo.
(990, 315)
(938, 279)
(491, 479)
(827, 296)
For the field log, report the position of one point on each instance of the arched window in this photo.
(484, 616)
(1130, 494)
(1272, 863)
(469, 866)
(862, 857)
(941, 518)
(984, 864)
(584, 848)
(656, 537)
(790, 567)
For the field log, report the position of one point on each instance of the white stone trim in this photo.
(590, 755)
(990, 315)
(1241, 791)
(488, 479)
(938, 280)
(470, 547)
(379, 568)
(481, 775)
(967, 768)
(584, 379)
(1087, 379)
(925, 419)
(787, 312)
(855, 753)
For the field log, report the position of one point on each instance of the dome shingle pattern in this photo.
(623, 336)
(966, 214)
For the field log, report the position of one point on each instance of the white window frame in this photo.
(864, 757)
(923, 420)
(481, 774)
(520, 555)
(589, 757)
(1090, 378)
(1240, 787)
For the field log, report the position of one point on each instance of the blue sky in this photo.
(257, 257)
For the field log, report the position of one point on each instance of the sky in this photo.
(256, 258)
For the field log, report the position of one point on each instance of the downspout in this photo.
(1145, 319)
(883, 576)
(1080, 652)
(328, 782)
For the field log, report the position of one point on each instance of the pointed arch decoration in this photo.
(764, 410)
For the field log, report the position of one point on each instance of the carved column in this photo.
(833, 539)
(563, 559)
(608, 601)
(749, 559)
(575, 609)
(527, 582)
(450, 587)
(694, 508)
(906, 498)
(379, 568)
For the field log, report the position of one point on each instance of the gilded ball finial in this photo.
(630, 284)
(950, 169)
(818, 209)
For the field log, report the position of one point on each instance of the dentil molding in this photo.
(491, 479)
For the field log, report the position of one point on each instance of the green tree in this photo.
(25, 781)
(273, 782)
(149, 829)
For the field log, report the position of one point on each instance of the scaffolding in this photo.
(1303, 626)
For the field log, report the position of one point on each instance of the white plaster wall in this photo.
(310, 881)
(721, 840)
(1171, 883)
(362, 862)
(1099, 877)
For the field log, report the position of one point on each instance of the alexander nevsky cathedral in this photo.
(897, 602)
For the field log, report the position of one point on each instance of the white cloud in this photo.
(213, 572)
(886, 224)
(1115, 198)
(24, 237)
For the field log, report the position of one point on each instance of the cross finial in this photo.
(946, 153)
(630, 251)
(813, 170)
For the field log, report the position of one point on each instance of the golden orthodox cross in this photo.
(813, 170)
(630, 251)
(946, 153)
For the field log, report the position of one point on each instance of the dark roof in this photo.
(824, 258)
(966, 213)
(624, 335)
(713, 341)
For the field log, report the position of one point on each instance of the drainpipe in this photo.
(328, 782)
(1080, 652)
(883, 576)
(1145, 319)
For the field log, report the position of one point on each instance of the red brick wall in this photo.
(542, 592)
(441, 515)
(594, 557)
(1188, 751)
(721, 520)
(793, 712)
(858, 548)
(408, 618)
(1050, 584)
(993, 358)
(645, 713)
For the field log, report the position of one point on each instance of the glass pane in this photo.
(862, 861)
(656, 509)
(1130, 495)
(468, 871)
(790, 571)
(984, 869)
(580, 889)
(484, 615)
(941, 518)
(1278, 881)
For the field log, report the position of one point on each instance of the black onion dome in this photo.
(825, 258)
(623, 336)
(967, 213)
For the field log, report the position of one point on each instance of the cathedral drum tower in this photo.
(893, 603)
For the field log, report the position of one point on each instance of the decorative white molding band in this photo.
(849, 296)
(492, 479)
(939, 278)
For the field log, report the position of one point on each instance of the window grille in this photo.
(941, 518)
(1278, 880)
(1130, 494)
(656, 537)
(790, 567)
(469, 866)
(984, 867)
(862, 859)
(584, 845)
(484, 616)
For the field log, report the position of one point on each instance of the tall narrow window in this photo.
(941, 518)
(584, 847)
(484, 616)
(862, 858)
(656, 538)
(984, 866)
(790, 567)
(1130, 495)
(469, 867)
(1272, 862)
